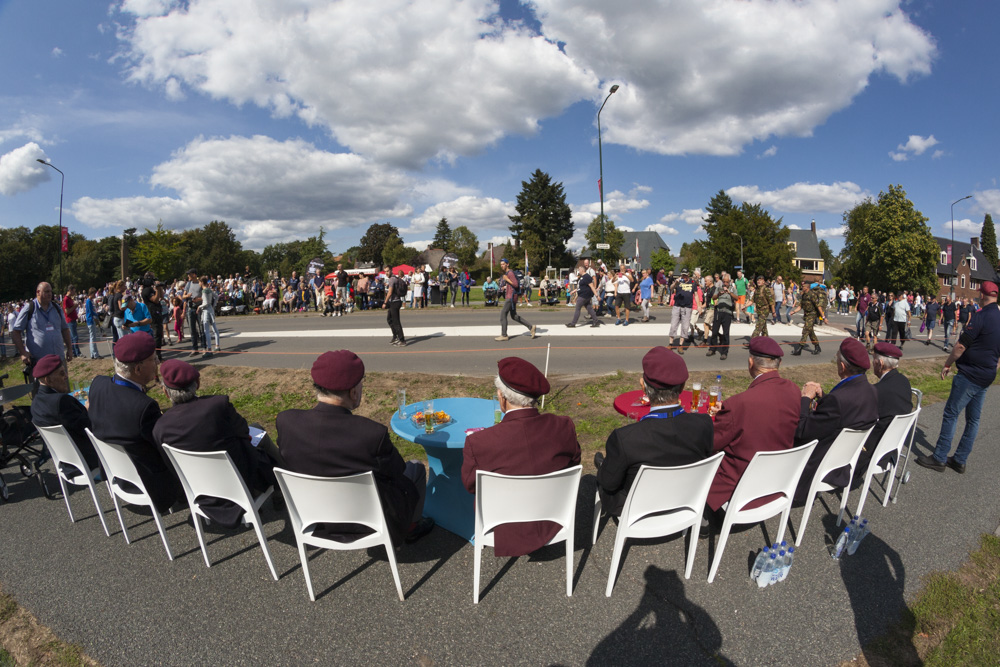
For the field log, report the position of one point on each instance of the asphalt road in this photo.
(127, 605)
(461, 341)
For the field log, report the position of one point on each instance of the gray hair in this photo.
(126, 370)
(513, 397)
(666, 396)
(887, 362)
(322, 392)
(183, 395)
(765, 362)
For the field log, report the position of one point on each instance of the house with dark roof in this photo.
(645, 242)
(962, 268)
(805, 253)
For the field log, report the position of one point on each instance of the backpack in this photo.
(519, 287)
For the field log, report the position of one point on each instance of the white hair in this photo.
(126, 370)
(183, 395)
(887, 362)
(513, 397)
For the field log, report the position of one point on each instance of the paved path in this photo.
(127, 605)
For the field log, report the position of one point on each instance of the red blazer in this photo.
(761, 419)
(524, 443)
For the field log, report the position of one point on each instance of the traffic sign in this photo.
(603, 246)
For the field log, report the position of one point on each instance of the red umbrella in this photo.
(402, 268)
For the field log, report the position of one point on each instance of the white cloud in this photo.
(624, 228)
(831, 232)
(710, 76)
(20, 170)
(616, 205)
(770, 152)
(794, 226)
(899, 157)
(476, 213)
(988, 201)
(57, 52)
(915, 145)
(690, 216)
(395, 80)
(803, 197)
(662, 229)
(937, 154)
(270, 191)
(964, 226)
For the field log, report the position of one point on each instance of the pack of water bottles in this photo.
(849, 540)
(772, 564)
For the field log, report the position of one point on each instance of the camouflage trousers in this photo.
(760, 328)
(807, 330)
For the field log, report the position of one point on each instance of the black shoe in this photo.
(598, 459)
(956, 466)
(570, 325)
(419, 529)
(930, 462)
(704, 531)
(595, 324)
(816, 349)
(796, 350)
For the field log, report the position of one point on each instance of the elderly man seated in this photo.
(525, 442)
(329, 441)
(667, 436)
(894, 398)
(211, 424)
(122, 414)
(54, 406)
(852, 403)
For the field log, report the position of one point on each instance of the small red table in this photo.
(627, 403)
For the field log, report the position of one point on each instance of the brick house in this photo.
(961, 268)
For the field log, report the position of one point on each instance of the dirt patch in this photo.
(30, 643)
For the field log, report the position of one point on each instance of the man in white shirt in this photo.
(900, 320)
(623, 295)
(778, 289)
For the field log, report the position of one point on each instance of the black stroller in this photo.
(19, 439)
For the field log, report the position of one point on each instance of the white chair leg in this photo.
(263, 544)
(720, 548)
(305, 569)
(118, 511)
(845, 494)
(196, 519)
(864, 492)
(569, 561)
(784, 522)
(616, 556)
(890, 472)
(475, 574)
(392, 563)
(597, 517)
(693, 539)
(97, 506)
(62, 485)
(163, 533)
(806, 511)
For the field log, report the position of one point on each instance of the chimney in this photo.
(975, 242)
(813, 226)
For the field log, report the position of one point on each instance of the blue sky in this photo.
(281, 117)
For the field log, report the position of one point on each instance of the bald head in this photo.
(44, 294)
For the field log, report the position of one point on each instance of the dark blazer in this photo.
(329, 441)
(53, 408)
(761, 419)
(894, 398)
(212, 424)
(524, 443)
(123, 415)
(852, 404)
(676, 441)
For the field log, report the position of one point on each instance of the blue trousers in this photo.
(964, 395)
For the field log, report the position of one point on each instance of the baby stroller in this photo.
(490, 296)
(19, 440)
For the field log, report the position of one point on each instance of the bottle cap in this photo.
(782, 553)
(791, 550)
(847, 530)
(773, 555)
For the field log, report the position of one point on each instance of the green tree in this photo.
(765, 247)
(888, 245)
(719, 206)
(611, 235)
(159, 251)
(395, 253)
(988, 239)
(374, 240)
(661, 260)
(465, 245)
(21, 273)
(542, 212)
(443, 236)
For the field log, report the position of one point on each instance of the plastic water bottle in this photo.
(765, 575)
(787, 565)
(842, 541)
(857, 537)
(779, 565)
(758, 564)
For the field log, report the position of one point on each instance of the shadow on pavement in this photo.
(665, 629)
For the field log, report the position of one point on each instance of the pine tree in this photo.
(544, 219)
(442, 237)
(989, 241)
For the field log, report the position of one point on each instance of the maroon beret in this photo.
(338, 371)
(178, 374)
(764, 346)
(522, 377)
(46, 365)
(888, 350)
(134, 347)
(662, 368)
(854, 352)
(988, 288)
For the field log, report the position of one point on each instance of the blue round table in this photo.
(451, 506)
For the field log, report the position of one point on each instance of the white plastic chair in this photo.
(118, 468)
(663, 501)
(213, 474)
(65, 453)
(892, 440)
(768, 473)
(502, 499)
(353, 499)
(903, 475)
(844, 451)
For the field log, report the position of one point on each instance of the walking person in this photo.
(931, 312)
(812, 310)
(584, 293)
(509, 284)
(209, 299)
(623, 296)
(91, 314)
(395, 290)
(681, 302)
(646, 293)
(900, 320)
(192, 299)
(764, 307)
(725, 304)
(71, 313)
(949, 309)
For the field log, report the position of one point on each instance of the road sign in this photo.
(603, 246)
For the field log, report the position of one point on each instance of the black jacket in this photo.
(894, 398)
(53, 408)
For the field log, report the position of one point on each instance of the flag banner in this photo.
(65, 238)
(525, 259)
(637, 249)
(600, 188)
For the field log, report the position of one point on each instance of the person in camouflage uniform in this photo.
(810, 303)
(763, 302)
(824, 298)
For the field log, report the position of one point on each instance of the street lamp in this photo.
(62, 182)
(741, 252)
(954, 280)
(600, 161)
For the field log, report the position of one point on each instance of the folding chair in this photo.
(769, 473)
(892, 440)
(66, 458)
(353, 499)
(119, 470)
(663, 501)
(213, 474)
(844, 451)
(502, 499)
(904, 476)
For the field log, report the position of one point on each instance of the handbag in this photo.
(922, 325)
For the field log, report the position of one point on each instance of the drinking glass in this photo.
(497, 412)
(713, 395)
(401, 394)
(695, 396)
(429, 416)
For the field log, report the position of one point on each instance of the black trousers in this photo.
(720, 331)
(194, 321)
(510, 306)
(395, 324)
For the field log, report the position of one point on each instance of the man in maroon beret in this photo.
(894, 398)
(525, 442)
(667, 436)
(211, 424)
(329, 441)
(54, 406)
(761, 419)
(852, 403)
(122, 414)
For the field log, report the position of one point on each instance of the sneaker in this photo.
(400, 343)
(927, 461)
(625, 323)
(570, 325)
(501, 339)
(534, 331)
(956, 466)
(393, 341)
(595, 325)
(419, 529)
(617, 322)
(723, 356)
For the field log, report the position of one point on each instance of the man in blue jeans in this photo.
(976, 354)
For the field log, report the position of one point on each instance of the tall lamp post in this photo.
(62, 182)
(741, 252)
(954, 280)
(600, 161)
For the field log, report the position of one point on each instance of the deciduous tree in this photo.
(373, 242)
(613, 236)
(465, 245)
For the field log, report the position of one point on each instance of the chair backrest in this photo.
(116, 462)
(844, 451)
(919, 395)
(770, 473)
(504, 499)
(311, 499)
(659, 489)
(895, 435)
(209, 474)
(62, 448)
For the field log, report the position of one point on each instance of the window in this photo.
(972, 263)
(793, 246)
(963, 281)
(963, 261)
(807, 264)
(974, 284)
(944, 257)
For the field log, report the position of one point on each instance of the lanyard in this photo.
(45, 313)
(664, 414)
(125, 383)
(847, 379)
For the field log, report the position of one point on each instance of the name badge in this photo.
(49, 327)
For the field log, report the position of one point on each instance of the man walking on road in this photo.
(763, 302)
(395, 289)
(584, 296)
(976, 354)
(681, 302)
(812, 309)
(741, 284)
(509, 284)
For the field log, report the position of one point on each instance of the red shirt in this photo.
(69, 308)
